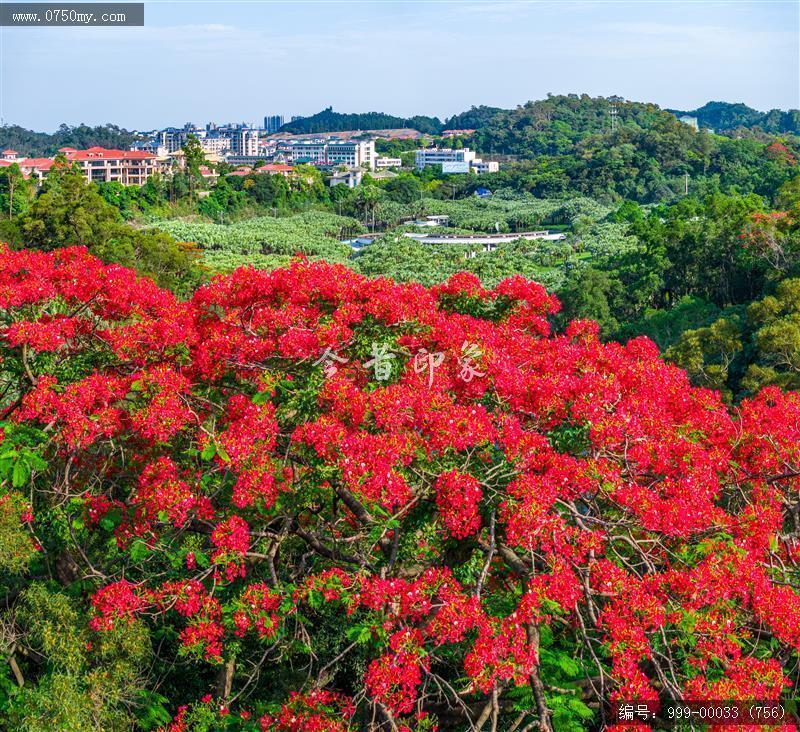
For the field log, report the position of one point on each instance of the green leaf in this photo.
(209, 451)
(139, 550)
(262, 397)
(21, 473)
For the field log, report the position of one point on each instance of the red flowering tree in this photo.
(324, 502)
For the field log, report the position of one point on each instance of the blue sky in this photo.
(237, 61)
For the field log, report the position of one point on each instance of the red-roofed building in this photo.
(128, 167)
(269, 169)
(35, 167)
(276, 169)
(10, 155)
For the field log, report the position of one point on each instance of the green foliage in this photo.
(741, 353)
(16, 193)
(69, 211)
(76, 680)
(37, 144)
(265, 241)
(564, 144)
(329, 121)
(727, 116)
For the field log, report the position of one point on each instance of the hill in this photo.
(554, 125)
(329, 121)
(82, 136)
(727, 116)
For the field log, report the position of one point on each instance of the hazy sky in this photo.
(237, 61)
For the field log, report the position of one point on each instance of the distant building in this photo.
(349, 178)
(485, 166)
(244, 142)
(453, 160)
(10, 155)
(691, 121)
(383, 163)
(352, 153)
(209, 174)
(455, 166)
(273, 123)
(36, 168)
(456, 133)
(296, 117)
(437, 155)
(269, 169)
(128, 167)
(214, 144)
(99, 165)
(172, 138)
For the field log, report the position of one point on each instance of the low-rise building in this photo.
(485, 166)
(451, 160)
(268, 169)
(437, 155)
(349, 178)
(383, 163)
(352, 153)
(36, 168)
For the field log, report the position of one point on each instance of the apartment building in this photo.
(272, 123)
(37, 168)
(214, 144)
(244, 142)
(128, 167)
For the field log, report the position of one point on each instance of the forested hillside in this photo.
(727, 117)
(566, 143)
(40, 144)
(329, 121)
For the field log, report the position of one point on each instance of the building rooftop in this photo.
(101, 153)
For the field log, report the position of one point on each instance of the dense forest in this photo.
(329, 121)
(727, 117)
(41, 144)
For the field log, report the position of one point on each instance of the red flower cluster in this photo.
(458, 498)
(585, 487)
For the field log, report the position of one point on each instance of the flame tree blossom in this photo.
(430, 552)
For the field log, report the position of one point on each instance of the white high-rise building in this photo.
(244, 142)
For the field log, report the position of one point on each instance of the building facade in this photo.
(352, 153)
(383, 163)
(485, 166)
(244, 142)
(454, 161)
(438, 155)
(128, 167)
